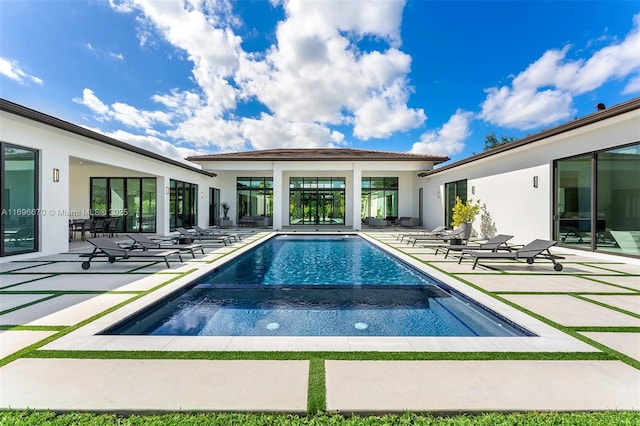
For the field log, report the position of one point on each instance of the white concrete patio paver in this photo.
(63, 310)
(625, 281)
(9, 280)
(627, 303)
(10, 301)
(13, 340)
(92, 282)
(534, 283)
(626, 343)
(523, 388)
(18, 266)
(573, 312)
(450, 386)
(155, 385)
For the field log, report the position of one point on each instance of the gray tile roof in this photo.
(328, 154)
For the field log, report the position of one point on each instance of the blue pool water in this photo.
(317, 286)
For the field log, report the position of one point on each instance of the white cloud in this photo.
(633, 86)
(125, 114)
(203, 128)
(101, 53)
(14, 71)
(543, 93)
(316, 73)
(271, 132)
(449, 139)
(313, 77)
(154, 144)
(91, 101)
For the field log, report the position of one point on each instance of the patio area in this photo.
(587, 357)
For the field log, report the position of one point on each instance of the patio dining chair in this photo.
(87, 226)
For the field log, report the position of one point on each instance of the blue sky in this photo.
(185, 77)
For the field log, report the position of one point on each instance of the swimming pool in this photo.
(317, 286)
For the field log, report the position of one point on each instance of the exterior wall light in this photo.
(56, 175)
(166, 190)
(438, 194)
(473, 190)
(535, 181)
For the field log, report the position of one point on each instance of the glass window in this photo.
(573, 201)
(133, 203)
(129, 202)
(99, 196)
(617, 223)
(18, 200)
(452, 190)
(391, 182)
(320, 201)
(255, 196)
(148, 205)
(243, 182)
(182, 205)
(597, 200)
(379, 198)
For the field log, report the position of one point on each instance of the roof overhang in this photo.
(595, 117)
(48, 120)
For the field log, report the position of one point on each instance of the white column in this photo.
(357, 196)
(278, 196)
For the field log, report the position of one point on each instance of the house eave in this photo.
(595, 117)
(28, 113)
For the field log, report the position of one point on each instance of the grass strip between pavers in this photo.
(25, 351)
(342, 356)
(317, 391)
(568, 330)
(316, 399)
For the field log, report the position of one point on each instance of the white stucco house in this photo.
(578, 183)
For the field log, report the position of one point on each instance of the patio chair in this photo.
(189, 236)
(435, 231)
(98, 227)
(104, 247)
(215, 232)
(536, 249)
(112, 227)
(494, 244)
(87, 226)
(444, 236)
(146, 243)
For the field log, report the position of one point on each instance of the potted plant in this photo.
(225, 210)
(464, 214)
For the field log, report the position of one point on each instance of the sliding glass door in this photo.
(18, 200)
(597, 200)
(316, 201)
(452, 190)
(129, 201)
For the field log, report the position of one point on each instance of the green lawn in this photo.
(494, 419)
